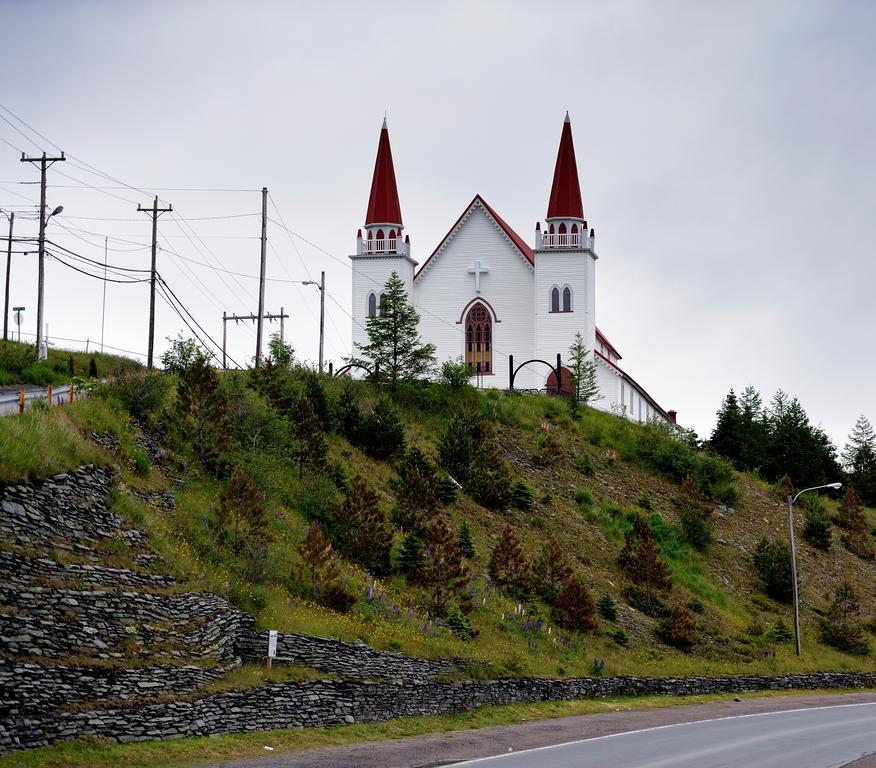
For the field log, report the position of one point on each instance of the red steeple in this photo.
(565, 202)
(383, 206)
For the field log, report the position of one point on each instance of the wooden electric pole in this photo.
(256, 319)
(8, 271)
(154, 212)
(45, 162)
(321, 286)
(258, 355)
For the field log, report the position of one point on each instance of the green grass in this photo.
(18, 364)
(97, 753)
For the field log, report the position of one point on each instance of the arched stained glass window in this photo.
(567, 299)
(479, 339)
(555, 299)
(372, 305)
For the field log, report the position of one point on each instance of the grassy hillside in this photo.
(588, 478)
(18, 364)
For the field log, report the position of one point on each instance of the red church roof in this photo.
(383, 205)
(565, 199)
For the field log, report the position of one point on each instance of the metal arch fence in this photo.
(512, 372)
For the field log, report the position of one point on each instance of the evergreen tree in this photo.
(817, 525)
(641, 561)
(381, 432)
(466, 545)
(607, 607)
(582, 368)
(755, 430)
(851, 516)
(574, 609)
(92, 368)
(552, 570)
(242, 512)
(841, 627)
(772, 561)
(394, 345)
(411, 555)
(489, 478)
(363, 535)
(318, 399)
(280, 353)
(679, 628)
(459, 444)
(859, 456)
(442, 572)
(318, 558)
(310, 444)
(509, 566)
(728, 436)
(203, 407)
(416, 485)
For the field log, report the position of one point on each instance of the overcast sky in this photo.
(725, 150)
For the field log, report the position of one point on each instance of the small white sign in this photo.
(272, 643)
(18, 318)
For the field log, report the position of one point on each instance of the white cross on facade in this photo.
(476, 269)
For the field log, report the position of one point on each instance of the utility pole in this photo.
(45, 163)
(8, 271)
(321, 287)
(154, 212)
(258, 355)
(103, 311)
(237, 318)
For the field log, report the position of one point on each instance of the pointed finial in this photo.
(567, 120)
(384, 118)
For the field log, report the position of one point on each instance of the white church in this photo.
(484, 294)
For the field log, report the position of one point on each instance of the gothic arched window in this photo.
(567, 299)
(555, 299)
(392, 234)
(382, 305)
(551, 230)
(479, 339)
(372, 305)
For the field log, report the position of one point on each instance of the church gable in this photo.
(506, 241)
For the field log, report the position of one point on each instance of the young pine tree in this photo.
(509, 566)
(442, 572)
(574, 608)
(641, 561)
(242, 513)
(459, 444)
(364, 536)
(310, 445)
(859, 456)
(851, 516)
(416, 485)
(410, 558)
(841, 627)
(466, 544)
(552, 571)
(394, 344)
(381, 432)
(318, 558)
(203, 409)
(582, 367)
(489, 478)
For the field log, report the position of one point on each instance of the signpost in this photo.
(272, 646)
(18, 311)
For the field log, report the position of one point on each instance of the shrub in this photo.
(644, 501)
(695, 605)
(641, 561)
(466, 545)
(779, 633)
(92, 368)
(15, 358)
(852, 518)
(416, 485)
(181, 354)
(817, 525)
(459, 444)
(841, 627)
(141, 462)
(649, 605)
(381, 432)
(607, 607)
(458, 624)
(620, 637)
(337, 597)
(575, 608)
(584, 464)
(455, 374)
(339, 476)
(695, 521)
(552, 571)
(772, 563)
(489, 479)
(39, 374)
(521, 496)
(318, 501)
(348, 417)
(584, 498)
(443, 573)
(448, 489)
(410, 557)
(678, 629)
(362, 533)
(315, 392)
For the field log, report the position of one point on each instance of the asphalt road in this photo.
(9, 397)
(805, 738)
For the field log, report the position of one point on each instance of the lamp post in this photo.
(791, 501)
(320, 286)
(42, 347)
(11, 217)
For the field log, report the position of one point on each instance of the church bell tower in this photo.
(565, 262)
(382, 249)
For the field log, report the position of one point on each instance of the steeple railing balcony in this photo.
(564, 240)
(384, 245)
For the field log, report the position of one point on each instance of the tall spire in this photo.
(383, 205)
(565, 202)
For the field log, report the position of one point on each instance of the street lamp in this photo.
(320, 286)
(42, 347)
(791, 501)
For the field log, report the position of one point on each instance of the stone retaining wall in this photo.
(22, 570)
(28, 689)
(355, 660)
(324, 702)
